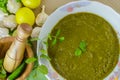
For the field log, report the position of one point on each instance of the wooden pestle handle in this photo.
(23, 31)
(15, 53)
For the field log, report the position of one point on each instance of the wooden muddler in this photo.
(15, 53)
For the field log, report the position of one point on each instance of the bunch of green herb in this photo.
(38, 72)
(81, 49)
(55, 38)
(3, 73)
(3, 5)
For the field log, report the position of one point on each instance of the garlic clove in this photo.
(2, 15)
(4, 32)
(13, 6)
(41, 17)
(10, 22)
(35, 32)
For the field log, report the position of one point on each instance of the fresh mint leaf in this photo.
(38, 72)
(54, 42)
(45, 57)
(36, 64)
(58, 32)
(43, 69)
(78, 52)
(82, 46)
(55, 37)
(49, 37)
(61, 39)
(81, 49)
(30, 60)
(43, 51)
(36, 75)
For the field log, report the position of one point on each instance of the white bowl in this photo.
(73, 7)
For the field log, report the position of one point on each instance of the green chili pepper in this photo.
(17, 72)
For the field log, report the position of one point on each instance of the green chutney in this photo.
(102, 51)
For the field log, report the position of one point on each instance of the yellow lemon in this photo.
(31, 3)
(25, 15)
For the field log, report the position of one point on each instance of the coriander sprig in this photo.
(30, 60)
(38, 72)
(56, 37)
(81, 49)
(44, 54)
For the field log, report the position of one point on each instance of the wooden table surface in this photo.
(51, 5)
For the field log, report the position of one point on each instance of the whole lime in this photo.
(25, 15)
(31, 3)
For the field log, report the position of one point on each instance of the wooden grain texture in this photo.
(15, 53)
(29, 67)
(5, 44)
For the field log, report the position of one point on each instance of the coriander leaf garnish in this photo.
(78, 52)
(44, 54)
(30, 60)
(81, 49)
(61, 39)
(49, 37)
(45, 57)
(38, 73)
(56, 37)
(82, 46)
(43, 69)
(54, 42)
(43, 51)
(58, 32)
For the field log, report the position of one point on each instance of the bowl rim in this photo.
(85, 6)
